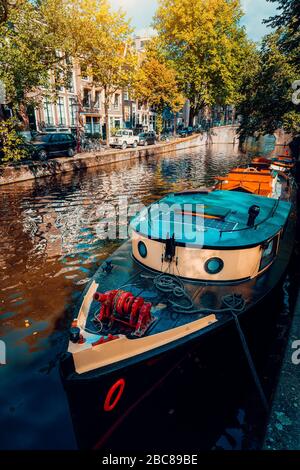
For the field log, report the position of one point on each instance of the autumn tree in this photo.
(112, 65)
(203, 40)
(28, 51)
(100, 41)
(38, 38)
(156, 84)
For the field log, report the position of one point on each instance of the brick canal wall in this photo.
(28, 171)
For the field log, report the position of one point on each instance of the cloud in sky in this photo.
(142, 11)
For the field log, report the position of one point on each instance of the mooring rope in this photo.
(233, 303)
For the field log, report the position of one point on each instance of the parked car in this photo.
(185, 131)
(46, 145)
(147, 138)
(124, 138)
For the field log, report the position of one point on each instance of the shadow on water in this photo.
(49, 249)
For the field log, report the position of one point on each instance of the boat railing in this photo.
(256, 226)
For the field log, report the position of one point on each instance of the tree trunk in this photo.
(4, 11)
(106, 110)
(79, 124)
(123, 109)
(2, 112)
(192, 116)
(24, 116)
(159, 124)
(107, 129)
(175, 124)
(233, 115)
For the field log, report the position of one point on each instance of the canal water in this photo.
(49, 249)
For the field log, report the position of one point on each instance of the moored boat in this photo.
(195, 260)
(283, 163)
(256, 178)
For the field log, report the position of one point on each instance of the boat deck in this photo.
(215, 219)
(127, 274)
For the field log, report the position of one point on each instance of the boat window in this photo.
(142, 249)
(214, 265)
(269, 253)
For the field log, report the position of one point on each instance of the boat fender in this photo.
(114, 395)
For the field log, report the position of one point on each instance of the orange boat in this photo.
(284, 164)
(254, 180)
(261, 162)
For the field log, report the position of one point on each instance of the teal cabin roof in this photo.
(216, 219)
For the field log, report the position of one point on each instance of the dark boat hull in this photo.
(142, 375)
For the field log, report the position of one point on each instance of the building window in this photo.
(61, 111)
(126, 96)
(48, 112)
(142, 249)
(127, 113)
(88, 125)
(73, 109)
(84, 74)
(97, 99)
(117, 123)
(96, 125)
(71, 88)
(86, 98)
(117, 101)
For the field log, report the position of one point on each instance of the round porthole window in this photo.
(214, 265)
(142, 249)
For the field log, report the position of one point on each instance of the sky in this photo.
(142, 11)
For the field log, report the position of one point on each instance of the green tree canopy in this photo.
(28, 51)
(288, 20)
(155, 83)
(204, 40)
(267, 89)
